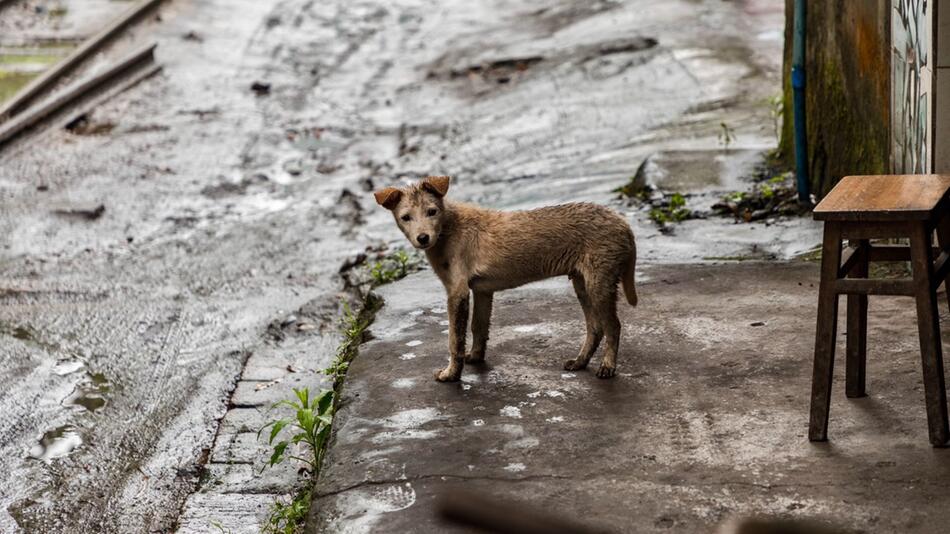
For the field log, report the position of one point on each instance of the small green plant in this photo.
(726, 135)
(310, 426)
(674, 211)
(767, 191)
(776, 111)
(390, 269)
(219, 527)
(735, 196)
(288, 518)
(352, 327)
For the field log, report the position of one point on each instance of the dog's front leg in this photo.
(458, 323)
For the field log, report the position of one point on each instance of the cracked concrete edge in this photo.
(236, 491)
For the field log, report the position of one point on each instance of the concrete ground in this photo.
(140, 341)
(706, 421)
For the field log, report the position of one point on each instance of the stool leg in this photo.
(856, 359)
(929, 329)
(825, 333)
(943, 239)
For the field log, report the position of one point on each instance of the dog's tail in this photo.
(628, 277)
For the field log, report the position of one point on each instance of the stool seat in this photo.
(907, 197)
(857, 210)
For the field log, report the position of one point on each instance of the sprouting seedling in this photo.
(310, 425)
(391, 268)
(288, 518)
(726, 135)
(776, 110)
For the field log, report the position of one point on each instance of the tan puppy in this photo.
(482, 250)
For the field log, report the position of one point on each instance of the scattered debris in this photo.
(85, 125)
(265, 385)
(260, 88)
(635, 44)
(89, 214)
(349, 263)
(293, 167)
(776, 196)
(758, 323)
(496, 70)
(193, 36)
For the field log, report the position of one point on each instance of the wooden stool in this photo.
(860, 208)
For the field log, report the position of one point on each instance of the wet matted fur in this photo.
(478, 250)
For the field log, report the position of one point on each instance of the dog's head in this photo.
(418, 209)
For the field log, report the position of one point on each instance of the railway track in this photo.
(46, 95)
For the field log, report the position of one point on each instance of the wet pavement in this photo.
(705, 422)
(146, 257)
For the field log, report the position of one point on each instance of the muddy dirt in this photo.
(224, 209)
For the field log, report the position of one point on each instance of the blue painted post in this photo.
(798, 90)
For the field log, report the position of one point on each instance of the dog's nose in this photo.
(423, 239)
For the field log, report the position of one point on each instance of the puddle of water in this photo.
(67, 367)
(20, 64)
(56, 443)
(90, 393)
(20, 332)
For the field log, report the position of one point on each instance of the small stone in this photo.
(260, 88)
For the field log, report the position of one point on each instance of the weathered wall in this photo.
(847, 95)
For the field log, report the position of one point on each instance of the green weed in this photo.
(390, 269)
(726, 135)
(310, 425)
(353, 328)
(674, 211)
(776, 111)
(288, 518)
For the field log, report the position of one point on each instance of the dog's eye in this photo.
(406, 217)
(432, 212)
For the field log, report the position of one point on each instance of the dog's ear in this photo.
(437, 185)
(388, 198)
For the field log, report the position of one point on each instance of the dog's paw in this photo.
(475, 357)
(448, 375)
(606, 372)
(574, 365)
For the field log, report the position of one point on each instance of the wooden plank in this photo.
(853, 286)
(928, 327)
(851, 257)
(885, 198)
(857, 342)
(825, 333)
(11, 128)
(889, 253)
(941, 270)
(49, 77)
(874, 229)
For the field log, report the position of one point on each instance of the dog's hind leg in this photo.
(594, 332)
(481, 318)
(603, 297)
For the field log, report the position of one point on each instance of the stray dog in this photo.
(482, 250)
